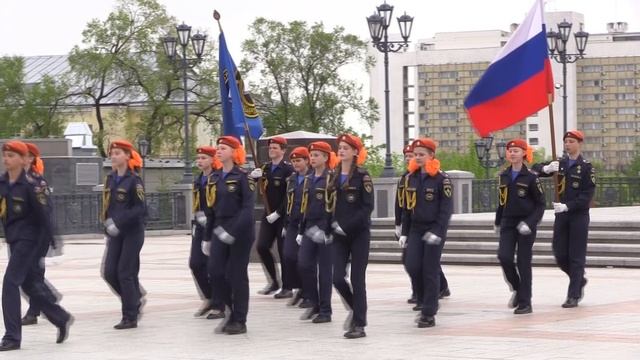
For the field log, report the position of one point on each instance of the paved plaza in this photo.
(474, 323)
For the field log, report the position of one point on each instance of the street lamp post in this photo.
(378, 26)
(169, 42)
(143, 148)
(483, 151)
(557, 43)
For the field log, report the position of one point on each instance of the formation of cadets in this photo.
(317, 209)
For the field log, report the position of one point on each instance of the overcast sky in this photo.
(44, 27)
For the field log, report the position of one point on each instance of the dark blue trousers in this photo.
(517, 275)
(315, 266)
(423, 265)
(291, 277)
(570, 232)
(198, 264)
(355, 248)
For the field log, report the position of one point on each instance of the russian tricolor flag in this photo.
(518, 82)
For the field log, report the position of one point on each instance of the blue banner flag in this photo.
(237, 105)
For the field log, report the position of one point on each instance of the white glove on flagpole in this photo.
(551, 168)
(256, 173)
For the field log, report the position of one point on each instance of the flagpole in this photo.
(554, 155)
(265, 200)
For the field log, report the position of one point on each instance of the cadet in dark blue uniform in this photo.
(203, 212)
(577, 183)
(428, 208)
(314, 256)
(26, 222)
(416, 287)
(124, 214)
(351, 197)
(299, 158)
(521, 206)
(231, 233)
(35, 169)
(272, 178)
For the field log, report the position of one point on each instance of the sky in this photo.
(44, 27)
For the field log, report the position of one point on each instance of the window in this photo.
(626, 111)
(591, 82)
(626, 125)
(424, 116)
(594, 139)
(592, 126)
(424, 130)
(476, 73)
(448, 88)
(592, 111)
(533, 141)
(448, 116)
(592, 68)
(448, 102)
(422, 103)
(625, 67)
(422, 75)
(594, 154)
(591, 97)
(533, 127)
(628, 154)
(625, 139)
(449, 129)
(448, 74)
(626, 96)
(626, 82)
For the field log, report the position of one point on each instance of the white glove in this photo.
(111, 227)
(551, 168)
(273, 217)
(560, 208)
(402, 241)
(201, 218)
(315, 234)
(338, 230)
(431, 238)
(328, 239)
(398, 231)
(299, 239)
(523, 228)
(496, 229)
(206, 247)
(223, 235)
(284, 232)
(256, 173)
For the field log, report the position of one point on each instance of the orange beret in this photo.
(352, 140)
(518, 143)
(407, 149)
(426, 143)
(320, 146)
(33, 149)
(300, 152)
(229, 141)
(207, 150)
(576, 134)
(16, 146)
(121, 144)
(277, 140)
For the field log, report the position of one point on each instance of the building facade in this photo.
(429, 83)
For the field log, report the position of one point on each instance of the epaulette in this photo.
(30, 179)
(242, 170)
(362, 170)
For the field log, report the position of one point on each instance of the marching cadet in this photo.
(407, 151)
(35, 168)
(314, 256)
(428, 208)
(351, 196)
(272, 178)
(124, 212)
(577, 183)
(299, 158)
(520, 209)
(207, 162)
(26, 222)
(231, 232)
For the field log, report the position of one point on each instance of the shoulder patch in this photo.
(539, 186)
(140, 191)
(447, 188)
(252, 184)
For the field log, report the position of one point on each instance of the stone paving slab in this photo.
(474, 323)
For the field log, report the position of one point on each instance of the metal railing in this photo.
(610, 191)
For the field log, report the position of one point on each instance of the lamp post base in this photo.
(187, 178)
(388, 171)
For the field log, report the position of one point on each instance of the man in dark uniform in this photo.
(203, 212)
(520, 209)
(576, 186)
(23, 212)
(428, 208)
(35, 169)
(272, 178)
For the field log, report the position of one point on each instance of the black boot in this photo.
(126, 324)
(29, 320)
(8, 345)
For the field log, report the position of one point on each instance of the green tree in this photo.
(300, 86)
(30, 110)
(633, 169)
